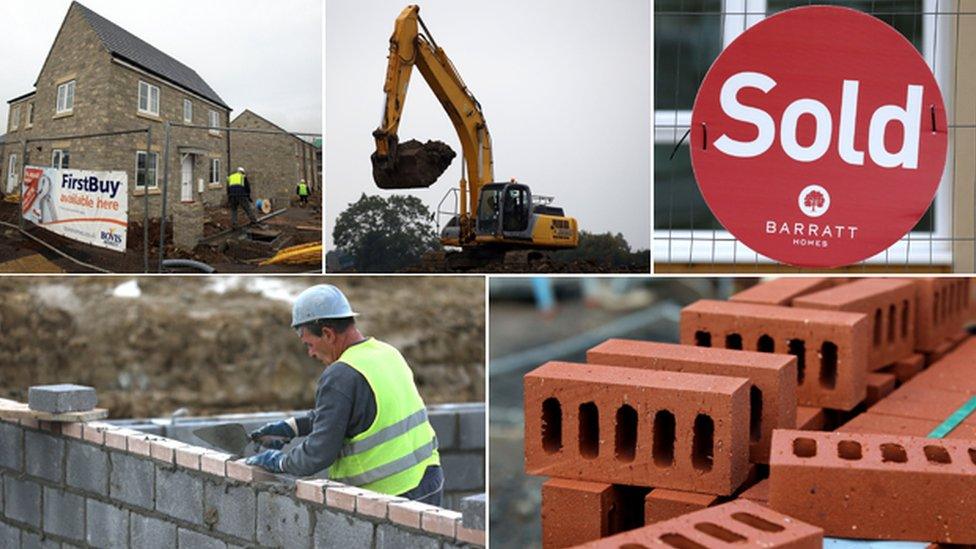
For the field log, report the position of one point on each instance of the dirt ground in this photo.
(231, 254)
(184, 344)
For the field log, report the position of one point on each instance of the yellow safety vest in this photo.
(235, 179)
(391, 456)
(302, 189)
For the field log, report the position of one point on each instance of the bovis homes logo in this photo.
(819, 136)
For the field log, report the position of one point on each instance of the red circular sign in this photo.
(819, 136)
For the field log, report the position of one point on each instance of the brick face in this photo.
(274, 163)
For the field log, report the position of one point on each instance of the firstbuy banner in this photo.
(90, 207)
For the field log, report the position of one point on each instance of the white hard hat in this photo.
(240, 169)
(319, 302)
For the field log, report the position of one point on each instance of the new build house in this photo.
(274, 163)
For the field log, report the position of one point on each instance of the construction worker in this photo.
(303, 192)
(239, 196)
(369, 426)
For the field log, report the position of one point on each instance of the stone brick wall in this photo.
(101, 485)
(274, 163)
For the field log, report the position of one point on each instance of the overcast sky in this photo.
(256, 54)
(565, 87)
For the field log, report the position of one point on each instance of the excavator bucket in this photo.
(413, 165)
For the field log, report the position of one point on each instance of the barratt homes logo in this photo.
(819, 136)
(814, 201)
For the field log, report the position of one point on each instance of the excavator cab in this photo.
(505, 210)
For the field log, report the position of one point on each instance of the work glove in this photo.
(275, 434)
(269, 460)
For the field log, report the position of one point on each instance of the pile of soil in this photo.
(181, 344)
(417, 165)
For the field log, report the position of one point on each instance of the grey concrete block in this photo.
(132, 480)
(64, 514)
(12, 449)
(463, 471)
(108, 525)
(152, 533)
(389, 536)
(58, 399)
(188, 539)
(338, 530)
(30, 540)
(9, 535)
(282, 522)
(230, 509)
(22, 501)
(87, 467)
(473, 512)
(179, 495)
(472, 429)
(445, 424)
(45, 456)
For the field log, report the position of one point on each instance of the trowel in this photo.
(229, 437)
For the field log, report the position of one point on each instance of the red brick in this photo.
(941, 350)
(810, 419)
(823, 383)
(943, 305)
(902, 426)
(782, 291)
(663, 504)
(758, 492)
(772, 377)
(575, 511)
(441, 521)
(907, 368)
(923, 403)
(954, 372)
(880, 487)
(880, 385)
(600, 423)
(889, 305)
(721, 526)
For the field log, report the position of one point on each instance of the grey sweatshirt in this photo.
(344, 407)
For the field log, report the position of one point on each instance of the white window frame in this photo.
(30, 115)
(213, 120)
(14, 117)
(155, 157)
(150, 108)
(65, 103)
(215, 171)
(187, 111)
(57, 159)
(720, 246)
(12, 165)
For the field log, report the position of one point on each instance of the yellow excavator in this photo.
(495, 217)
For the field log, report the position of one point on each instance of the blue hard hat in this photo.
(318, 302)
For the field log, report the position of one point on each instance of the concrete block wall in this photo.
(102, 485)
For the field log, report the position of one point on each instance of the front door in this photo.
(11, 174)
(187, 187)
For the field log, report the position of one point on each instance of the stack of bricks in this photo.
(95, 484)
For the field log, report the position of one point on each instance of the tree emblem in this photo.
(814, 200)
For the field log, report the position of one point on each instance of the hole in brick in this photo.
(703, 443)
(765, 344)
(797, 348)
(893, 453)
(733, 341)
(937, 454)
(552, 426)
(758, 523)
(904, 319)
(755, 413)
(629, 505)
(719, 533)
(626, 433)
(877, 327)
(849, 450)
(664, 436)
(804, 447)
(828, 365)
(972, 455)
(891, 323)
(680, 542)
(703, 339)
(589, 430)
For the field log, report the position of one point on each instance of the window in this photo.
(688, 37)
(14, 117)
(187, 111)
(148, 99)
(146, 169)
(61, 159)
(215, 170)
(214, 122)
(66, 97)
(30, 115)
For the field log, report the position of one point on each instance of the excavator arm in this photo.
(416, 165)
